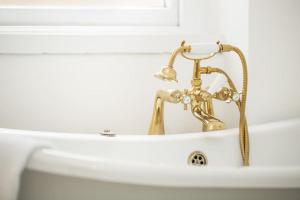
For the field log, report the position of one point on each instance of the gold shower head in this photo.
(167, 73)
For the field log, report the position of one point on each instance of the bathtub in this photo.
(94, 166)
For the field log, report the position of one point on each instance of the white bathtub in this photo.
(92, 166)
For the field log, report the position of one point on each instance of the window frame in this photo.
(64, 40)
(166, 15)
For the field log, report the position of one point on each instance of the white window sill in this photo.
(90, 40)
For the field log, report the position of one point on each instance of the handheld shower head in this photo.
(167, 73)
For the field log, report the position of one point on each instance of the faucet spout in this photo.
(157, 121)
(209, 122)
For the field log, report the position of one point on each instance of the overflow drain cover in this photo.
(197, 158)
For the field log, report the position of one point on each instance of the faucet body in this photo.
(199, 99)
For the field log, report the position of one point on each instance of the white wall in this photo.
(274, 61)
(78, 93)
(88, 93)
(91, 92)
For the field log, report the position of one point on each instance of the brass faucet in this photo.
(199, 99)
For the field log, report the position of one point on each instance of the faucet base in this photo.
(213, 126)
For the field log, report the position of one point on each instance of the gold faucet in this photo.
(199, 99)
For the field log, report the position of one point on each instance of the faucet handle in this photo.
(228, 95)
(186, 99)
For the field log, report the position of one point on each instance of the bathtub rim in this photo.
(61, 163)
(68, 164)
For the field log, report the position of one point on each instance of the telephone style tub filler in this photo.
(94, 166)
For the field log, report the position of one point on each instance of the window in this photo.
(103, 26)
(89, 12)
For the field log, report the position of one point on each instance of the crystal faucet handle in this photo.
(186, 99)
(217, 84)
